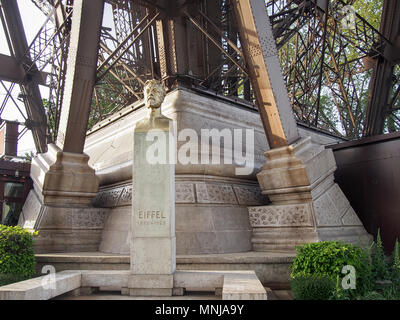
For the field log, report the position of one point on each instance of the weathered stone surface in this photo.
(150, 292)
(215, 193)
(42, 288)
(197, 224)
(282, 238)
(63, 228)
(236, 285)
(350, 218)
(105, 278)
(243, 287)
(272, 268)
(184, 193)
(153, 255)
(153, 244)
(291, 215)
(306, 203)
(111, 155)
(149, 281)
(63, 177)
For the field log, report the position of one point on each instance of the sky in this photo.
(32, 19)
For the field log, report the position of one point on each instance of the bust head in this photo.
(154, 94)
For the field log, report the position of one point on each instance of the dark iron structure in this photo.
(341, 73)
(369, 174)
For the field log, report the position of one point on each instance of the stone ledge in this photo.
(243, 287)
(238, 285)
(33, 289)
(105, 278)
(227, 258)
(82, 257)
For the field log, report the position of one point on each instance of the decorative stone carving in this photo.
(281, 216)
(248, 195)
(92, 218)
(108, 198)
(184, 193)
(215, 193)
(296, 177)
(126, 196)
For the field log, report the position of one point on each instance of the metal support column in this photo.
(81, 74)
(262, 59)
(381, 81)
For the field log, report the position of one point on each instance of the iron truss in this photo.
(42, 62)
(328, 59)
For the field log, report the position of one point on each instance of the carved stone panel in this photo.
(126, 196)
(184, 193)
(215, 193)
(291, 215)
(249, 195)
(88, 218)
(108, 198)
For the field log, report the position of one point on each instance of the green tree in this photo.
(370, 11)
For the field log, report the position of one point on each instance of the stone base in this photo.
(307, 205)
(237, 285)
(63, 177)
(272, 268)
(211, 215)
(211, 199)
(62, 228)
(153, 255)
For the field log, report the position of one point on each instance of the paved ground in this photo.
(272, 295)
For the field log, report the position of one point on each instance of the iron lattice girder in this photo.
(18, 46)
(330, 70)
(344, 77)
(289, 16)
(11, 70)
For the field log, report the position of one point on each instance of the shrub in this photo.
(17, 259)
(327, 258)
(372, 295)
(6, 279)
(312, 288)
(378, 263)
(391, 293)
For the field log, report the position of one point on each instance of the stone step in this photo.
(272, 268)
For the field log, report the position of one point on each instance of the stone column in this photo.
(307, 205)
(64, 183)
(153, 257)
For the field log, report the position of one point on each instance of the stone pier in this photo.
(59, 206)
(307, 205)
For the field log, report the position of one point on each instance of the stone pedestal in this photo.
(307, 205)
(63, 177)
(153, 253)
(59, 205)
